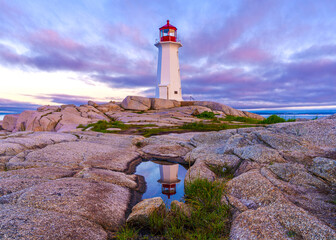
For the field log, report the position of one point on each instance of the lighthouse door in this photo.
(163, 92)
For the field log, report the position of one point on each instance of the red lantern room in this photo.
(168, 33)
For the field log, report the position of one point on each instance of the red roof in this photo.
(168, 26)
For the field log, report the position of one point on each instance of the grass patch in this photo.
(276, 119)
(127, 232)
(201, 126)
(291, 234)
(206, 115)
(102, 125)
(222, 171)
(209, 218)
(157, 131)
(240, 119)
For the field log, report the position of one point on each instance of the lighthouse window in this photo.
(175, 92)
(165, 32)
(171, 32)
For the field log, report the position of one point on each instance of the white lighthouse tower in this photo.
(168, 72)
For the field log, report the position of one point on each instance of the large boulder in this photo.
(141, 212)
(19, 222)
(227, 110)
(136, 103)
(49, 108)
(9, 122)
(100, 202)
(279, 221)
(109, 107)
(158, 103)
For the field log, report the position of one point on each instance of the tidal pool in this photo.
(163, 179)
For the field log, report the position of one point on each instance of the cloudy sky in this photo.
(243, 53)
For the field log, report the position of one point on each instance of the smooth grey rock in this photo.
(136, 103)
(141, 211)
(276, 220)
(48, 108)
(259, 153)
(324, 168)
(254, 190)
(92, 103)
(9, 122)
(199, 170)
(296, 174)
(18, 222)
(102, 203)
(109, 107)
(158, 103)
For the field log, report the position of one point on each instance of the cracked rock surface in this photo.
(81, 185)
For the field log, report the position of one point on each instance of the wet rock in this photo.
(18, 222)
(136, 103)
(141, 211)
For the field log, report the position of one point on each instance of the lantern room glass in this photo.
(168, 32)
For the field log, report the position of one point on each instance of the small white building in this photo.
(168, 72)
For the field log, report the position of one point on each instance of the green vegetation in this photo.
(127, 232)
(208, 217)
(201, 126)
(216, 124)
(291, 234)
(222, 171)
(276, 119)
(206, 115)
(102, 125)
(240, 119)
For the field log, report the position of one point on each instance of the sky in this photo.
(247, 54)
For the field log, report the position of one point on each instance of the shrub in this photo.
(240, 119)
(209, 218)
(206, 115)
(273, 119)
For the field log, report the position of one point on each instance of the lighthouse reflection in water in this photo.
(163, 179)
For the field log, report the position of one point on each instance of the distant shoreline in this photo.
(286, 114)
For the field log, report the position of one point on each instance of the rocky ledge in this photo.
(132, 109)
(80, 185)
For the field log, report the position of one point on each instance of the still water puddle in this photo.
(163, 179)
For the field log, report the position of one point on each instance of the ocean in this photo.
(294, 114)
(286, 114)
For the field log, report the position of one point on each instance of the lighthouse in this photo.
(168, 72)
(169, 178)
